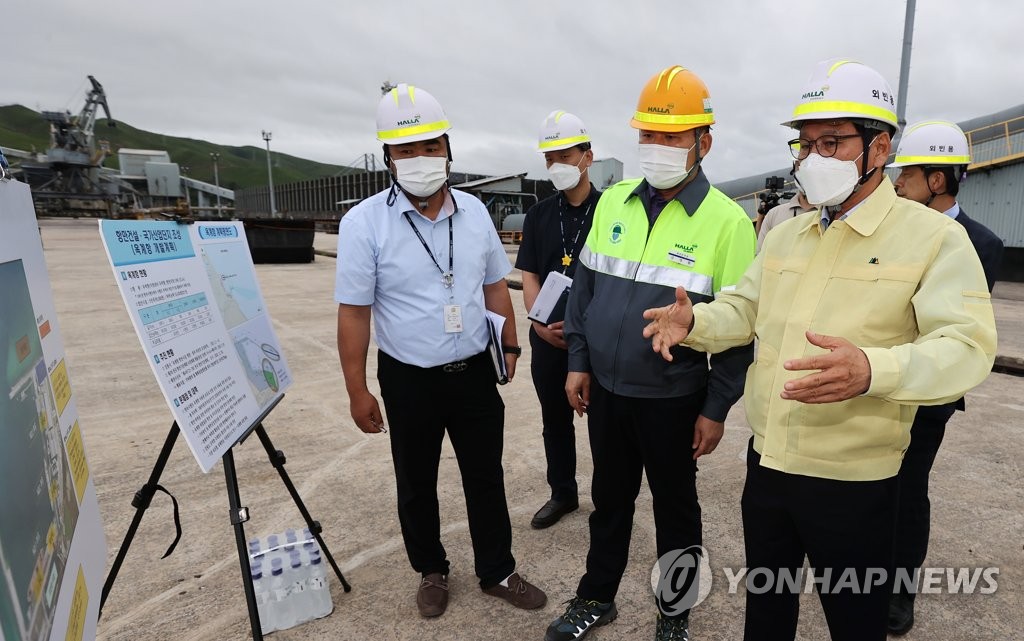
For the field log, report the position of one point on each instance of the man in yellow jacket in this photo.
(864, 308)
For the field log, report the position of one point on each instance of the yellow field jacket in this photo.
(900, 281)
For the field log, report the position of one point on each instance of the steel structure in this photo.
(70, 177)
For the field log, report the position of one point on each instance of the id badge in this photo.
(452, 319)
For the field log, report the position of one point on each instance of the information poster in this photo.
(52, 549)
(192, 295)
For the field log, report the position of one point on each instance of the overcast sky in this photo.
(223, 70)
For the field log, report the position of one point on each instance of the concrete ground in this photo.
(347, 482)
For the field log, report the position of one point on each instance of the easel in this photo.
(238, 514)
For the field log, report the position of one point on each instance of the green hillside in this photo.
(23, 128)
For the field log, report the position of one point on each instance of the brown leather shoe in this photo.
(519, 593)
(432, 596)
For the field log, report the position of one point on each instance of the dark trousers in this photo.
(629, 436)
(913, 517)
(422, 404)
(549, 367)
(844, 528)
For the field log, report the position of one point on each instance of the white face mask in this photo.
(663, 167)
(421, 176)
(565, 176)
(827, 181)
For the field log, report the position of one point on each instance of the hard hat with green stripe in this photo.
(841, 89)
(675, 99)
(933, 142)
(409, 114)
(561, 130)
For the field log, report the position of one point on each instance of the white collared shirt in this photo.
(382, 263)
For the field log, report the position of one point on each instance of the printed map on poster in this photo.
(192, 295)
(52, 550)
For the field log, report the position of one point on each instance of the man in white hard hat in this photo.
(862, 307)
(932, 158)
(553, 234)
(426, 263)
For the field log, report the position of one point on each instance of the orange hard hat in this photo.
(675, 99)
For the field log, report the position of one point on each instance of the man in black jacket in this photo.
(933, 158)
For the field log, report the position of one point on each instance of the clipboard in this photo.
(495, 323)
(549, 307)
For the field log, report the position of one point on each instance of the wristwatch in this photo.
(512, 349)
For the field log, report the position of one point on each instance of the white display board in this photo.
(52, 550)
(192, 295)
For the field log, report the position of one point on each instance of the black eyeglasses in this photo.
(826, 146)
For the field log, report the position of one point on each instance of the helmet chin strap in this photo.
(864, 177)
(393, 192)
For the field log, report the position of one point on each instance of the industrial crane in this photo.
(70, 177)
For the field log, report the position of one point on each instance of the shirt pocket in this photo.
(872, 305)
(780, 279)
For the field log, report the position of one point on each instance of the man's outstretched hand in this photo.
(669, 325)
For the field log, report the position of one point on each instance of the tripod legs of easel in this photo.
(238, 516)
(140, 502)
(277, 459)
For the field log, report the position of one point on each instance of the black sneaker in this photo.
(672, 629)
(579, 617)
(901, 614)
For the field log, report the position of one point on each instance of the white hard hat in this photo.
(845, 89)
(407, 114)
(561, 130)
(933, 142)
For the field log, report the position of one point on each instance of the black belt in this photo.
(456, 367)
(453, 367)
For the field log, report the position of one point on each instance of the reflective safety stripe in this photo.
(671, 71)
(604, 264)
(385, 134)
(662, 119)
(653, 274)
(575, 140)
(672, 277)
(839, 64)
(933, 160)
(828, 106)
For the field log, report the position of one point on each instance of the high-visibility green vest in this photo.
(704, 251)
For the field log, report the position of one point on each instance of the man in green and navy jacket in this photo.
(649, 236)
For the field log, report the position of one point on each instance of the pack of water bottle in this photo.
(289, 579)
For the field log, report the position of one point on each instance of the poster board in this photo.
(52, 549)
(193, 298)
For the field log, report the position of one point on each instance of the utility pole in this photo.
(188, 195)
(214, 156)
(270, 174)
(908, 41)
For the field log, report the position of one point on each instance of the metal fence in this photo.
(996, 144)
(319, 197)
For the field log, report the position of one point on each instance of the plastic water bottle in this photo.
(263, 601)
(291, 540)
(284, 610)
(297, 593)
(319, 589)
(309, 548)
(255, 551)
